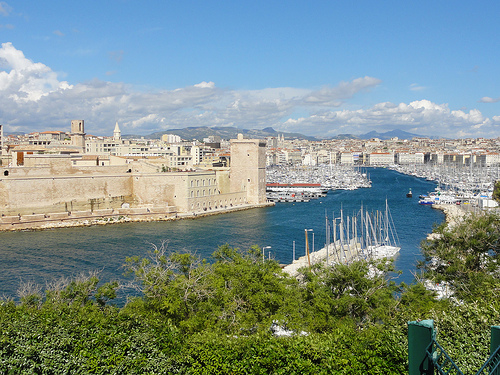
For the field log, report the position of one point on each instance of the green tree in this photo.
(362, 290)
(465, 256)
(239, 291)
(496, 191)
(172, 282)
(251, 292)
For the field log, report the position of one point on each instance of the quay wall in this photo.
(84, 218)
(108, 216)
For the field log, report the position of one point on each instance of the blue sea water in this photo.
(42, 256)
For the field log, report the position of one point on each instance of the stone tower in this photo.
(248, 168)
(78, 134)
(117, 134)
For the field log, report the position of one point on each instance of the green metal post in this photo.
(420, 336)
(495, 343)
(495, 338)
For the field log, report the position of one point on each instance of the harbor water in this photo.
(42, 256)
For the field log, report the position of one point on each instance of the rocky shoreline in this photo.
(453, 212)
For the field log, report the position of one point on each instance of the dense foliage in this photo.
(191, 316)
(465, 256)
(496, 191)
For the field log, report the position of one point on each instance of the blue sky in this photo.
(320, 68)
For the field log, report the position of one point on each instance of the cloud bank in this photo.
(35, 99)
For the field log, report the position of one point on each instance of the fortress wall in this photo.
(52, 162)
(57, 186)
(223, 181)
(103, 170)
(23, 193)
(63, 193)
(216, 201)
(159, 188)
(177, 189)
(55, 170)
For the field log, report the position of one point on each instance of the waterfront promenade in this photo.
(110, 216)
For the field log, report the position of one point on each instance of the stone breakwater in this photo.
(453, 212)
(109, 216)
(456, 213)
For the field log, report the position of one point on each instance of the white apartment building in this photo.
(488, 159)
(171, 138)
(381, 158)
(309, 159)
(405, 158)
(346, 158)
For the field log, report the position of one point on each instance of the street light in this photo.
(307, 246)
(263, 250)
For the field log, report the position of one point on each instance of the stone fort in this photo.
(61, 185)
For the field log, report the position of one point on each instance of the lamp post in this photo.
(307, 246)
(263, 251)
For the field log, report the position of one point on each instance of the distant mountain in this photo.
(346, 136)
(229, 132)
(226, 132)
(401, 134)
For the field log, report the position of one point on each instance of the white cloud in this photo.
(417, 87)
(26, 80)
(5, 9)
(34, 98)
(58, 33)
(419, 117)
(205, 85)
(487, 99)
(334, 96)
(116, 56)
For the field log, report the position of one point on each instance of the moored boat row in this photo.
(293, 183)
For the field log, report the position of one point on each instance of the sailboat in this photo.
(385, 243)
(363, 236)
